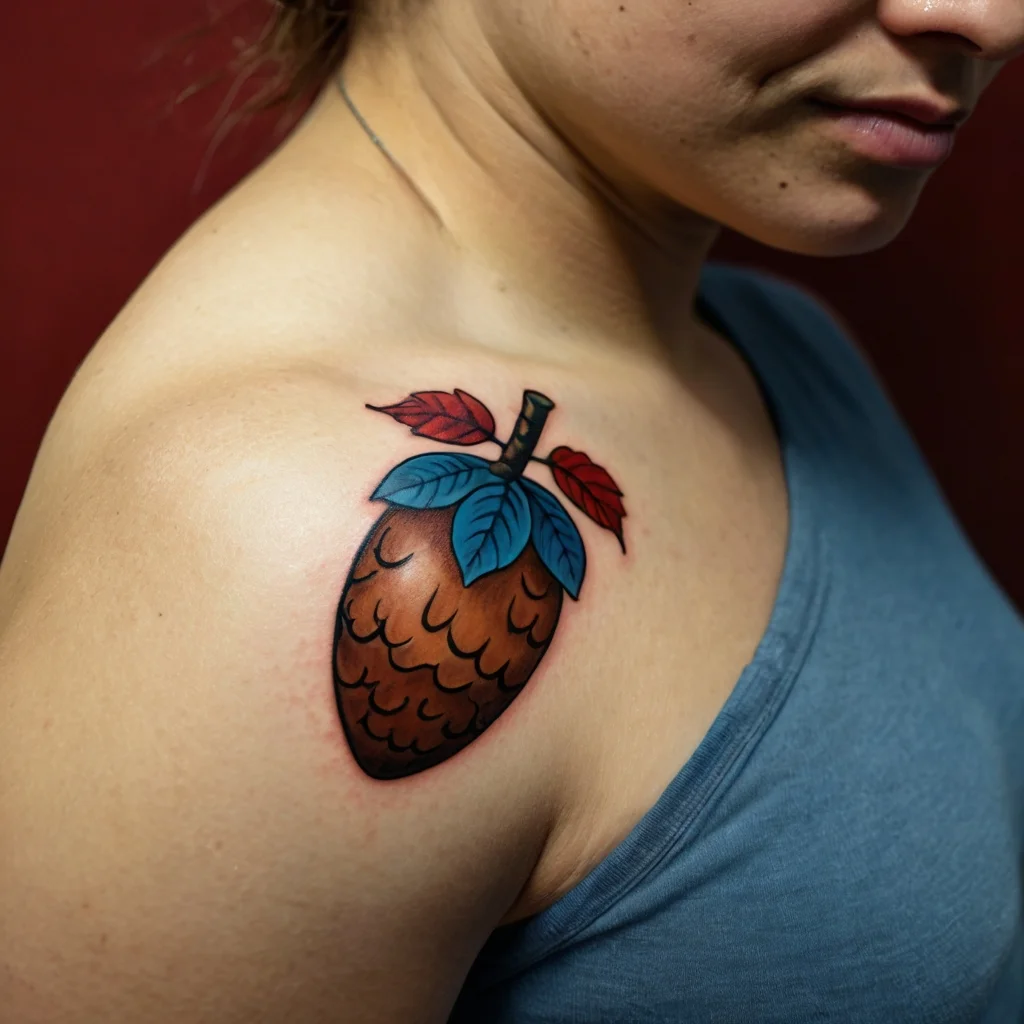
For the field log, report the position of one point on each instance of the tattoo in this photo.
(455, 593)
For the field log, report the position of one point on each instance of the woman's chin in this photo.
(847, 229)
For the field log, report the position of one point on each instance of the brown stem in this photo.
(524, 438)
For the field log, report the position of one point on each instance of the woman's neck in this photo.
(525, 215)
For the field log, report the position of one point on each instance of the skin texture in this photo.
(680, 117)
(184, 833)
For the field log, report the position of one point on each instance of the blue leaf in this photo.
(490, 529)
(436, 480)
(556, 539)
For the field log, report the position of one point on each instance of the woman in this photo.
(443, 595)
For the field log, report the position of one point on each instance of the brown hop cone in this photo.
(423, 664)
(454, 595)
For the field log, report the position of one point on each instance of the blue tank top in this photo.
(846, 842)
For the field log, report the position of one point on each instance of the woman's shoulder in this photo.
(255, 333)
(167, 611)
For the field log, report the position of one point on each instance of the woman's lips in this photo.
(888, 137)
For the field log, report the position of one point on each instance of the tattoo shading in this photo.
(454, 595)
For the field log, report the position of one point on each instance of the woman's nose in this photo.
(986, 29)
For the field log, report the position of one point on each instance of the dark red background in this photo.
(101, 172)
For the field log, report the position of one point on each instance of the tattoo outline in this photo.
(455, 593)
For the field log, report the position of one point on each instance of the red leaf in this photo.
(590, 488)
(453, 418)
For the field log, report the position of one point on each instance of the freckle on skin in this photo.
(783, 184)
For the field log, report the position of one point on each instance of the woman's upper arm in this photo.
(184, 835)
